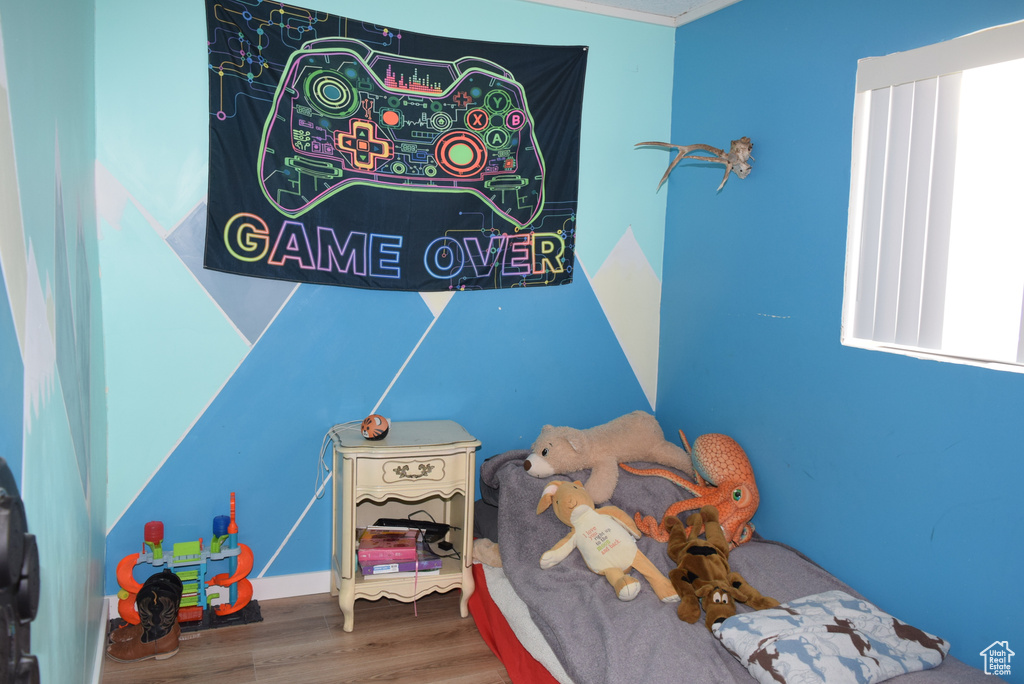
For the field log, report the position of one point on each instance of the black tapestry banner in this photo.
(348, 153)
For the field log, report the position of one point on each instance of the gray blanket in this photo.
(600, 639)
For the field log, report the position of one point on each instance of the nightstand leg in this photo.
(346, 601)
(468, 586)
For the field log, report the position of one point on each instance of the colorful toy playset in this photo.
(189, 561)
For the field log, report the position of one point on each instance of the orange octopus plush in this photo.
(725, 480)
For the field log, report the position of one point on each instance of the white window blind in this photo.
(935, 251)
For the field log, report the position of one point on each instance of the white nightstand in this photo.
(421, 465)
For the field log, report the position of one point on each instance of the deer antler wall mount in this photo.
(737, 159)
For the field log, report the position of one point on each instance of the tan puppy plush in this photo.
(633, 437)
(605, 538)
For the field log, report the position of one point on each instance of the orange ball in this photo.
(375, 426)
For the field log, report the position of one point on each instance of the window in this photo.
(935, 243)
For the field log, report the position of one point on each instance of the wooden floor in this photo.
(301, 641)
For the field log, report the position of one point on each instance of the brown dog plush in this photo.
(605, 538)
(703, 573)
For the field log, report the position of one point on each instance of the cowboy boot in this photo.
(126, 633)
(130, 632)
(166, 579)
(140, 649)
(157, 603)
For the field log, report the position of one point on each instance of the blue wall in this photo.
(901, 476)
(859, 454)
(52, 415)
(220, 384)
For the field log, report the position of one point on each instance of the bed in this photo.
(565, 625)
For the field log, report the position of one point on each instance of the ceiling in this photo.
(663, 12)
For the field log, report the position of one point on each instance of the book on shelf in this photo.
(426, 563)
(401, 575)
(387, 544)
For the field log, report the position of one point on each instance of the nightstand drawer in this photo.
(411, 470)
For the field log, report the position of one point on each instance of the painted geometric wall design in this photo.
(73, 332)
(630, 296)
(282, 365)
(292, 387)
(12, 373)
(51, 354)
(250, 303)
(171, 347)
(289, 390)
(53, 335)
(13, 294)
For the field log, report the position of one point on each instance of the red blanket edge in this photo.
(499, 637)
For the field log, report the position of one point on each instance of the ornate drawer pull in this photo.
(432, 470)
(403, 471)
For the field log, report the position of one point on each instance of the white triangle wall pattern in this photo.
(630, 295)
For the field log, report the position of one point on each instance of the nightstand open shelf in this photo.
(420, 467)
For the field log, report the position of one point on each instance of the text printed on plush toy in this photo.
(603, 541)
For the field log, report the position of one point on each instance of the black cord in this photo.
(424, 513)
(454, 553)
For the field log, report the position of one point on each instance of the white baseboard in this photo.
(101, 644)
(285, 586)
(267, 588)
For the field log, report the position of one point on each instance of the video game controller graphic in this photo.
(344, 114)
